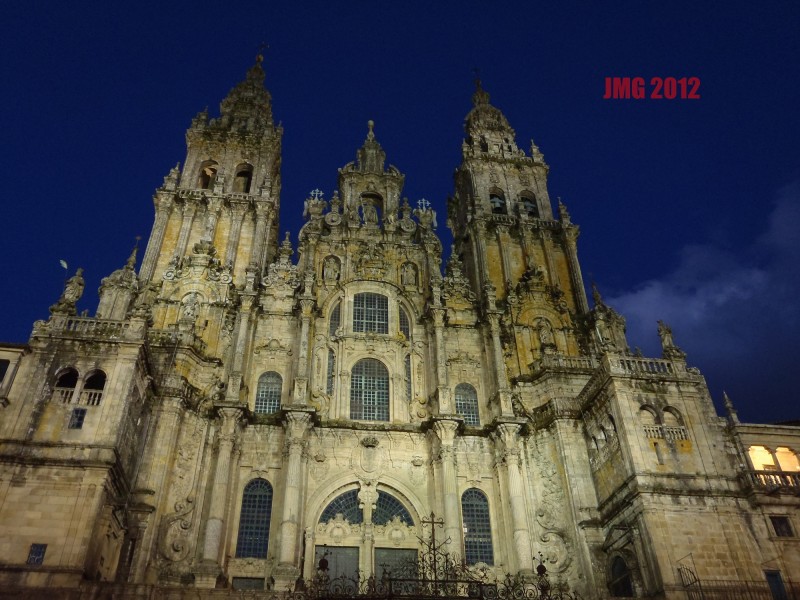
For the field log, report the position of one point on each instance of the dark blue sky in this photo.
(689, 209)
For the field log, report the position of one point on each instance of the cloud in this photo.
(734, 311)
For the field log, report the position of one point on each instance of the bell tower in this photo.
(519, 258)
(227, 195)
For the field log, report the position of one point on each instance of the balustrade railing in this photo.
(666, 432)
(93, 327)
(634, 365)
(770, 481)
(91, 397)
(63, 395)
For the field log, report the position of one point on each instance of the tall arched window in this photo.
(254, 520)
(405, 324)
(467, 404)
(529, 207)
(244, 176)
(268, 394)
(346, 505)
(620, 578)
(207, 175)
(369, 391)
(498, 203)
(370, 313)
(335, 320)
(478, 528)
(92, 393)
(65, 386)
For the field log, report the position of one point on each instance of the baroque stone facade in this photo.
(240, 407)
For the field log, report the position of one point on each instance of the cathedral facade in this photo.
(241, 408)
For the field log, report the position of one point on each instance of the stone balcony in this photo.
(771, 482)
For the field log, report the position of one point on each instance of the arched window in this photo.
(387, 508)
(620, 578)
(346, 505)
(370, 313)
(369, 391)
(467, 404)
(405, 324)
(244, 176)
(331, 372)
(254, 520)
(478, 528)
(92, 392)
(497, 203)
(65, 386)
(335, 320)
(529, 207)
(268, 394)
(207, 175)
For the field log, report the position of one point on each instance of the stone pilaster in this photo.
(189, 209)
(163, 208)
(215, 524)
(448, 486)
(297, 424)
(264, 216)
(507, 434)
(237, 216)
(571, 237)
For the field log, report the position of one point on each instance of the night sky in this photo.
(689, 209)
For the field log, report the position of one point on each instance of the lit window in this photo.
(370, 313)
(36, 554)
(478, 536)
(254, 519)
(782, 526)
(369, 391)
(467, 404)
(268, 394)
(76, 418)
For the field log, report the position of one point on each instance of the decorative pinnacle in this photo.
(371, 133)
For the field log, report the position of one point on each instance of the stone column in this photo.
(301, 381)
(505, 263)
(239, 347)
(501, 378)
(446, 431)
(212, 217)
(297, 425)
(507, 433)
(226, 437)
(442, 390)
(189, 208)
(163, 204)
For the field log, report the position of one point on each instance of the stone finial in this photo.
(733, 417)
(563, 213)
(598, 299)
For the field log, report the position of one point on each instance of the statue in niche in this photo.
(190, 306)
(330, 270)
(546, 334)
(408, 275)
(370, 214)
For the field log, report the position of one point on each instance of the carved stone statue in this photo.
(190, 305)
(370, 214)
(409, 275)
(73, 290)
(665, 333)
(330, 270)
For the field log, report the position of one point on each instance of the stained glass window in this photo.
(268, 394)
(370, 313)
(478, 537)
(369, 391)
(254, 520)
(467, 404)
